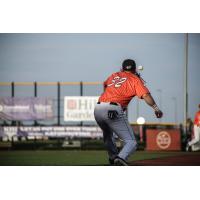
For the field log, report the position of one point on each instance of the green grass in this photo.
(69, 157)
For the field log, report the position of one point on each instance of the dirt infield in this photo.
(183, 160)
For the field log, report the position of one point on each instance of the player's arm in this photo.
(143, 93)
(150, 101)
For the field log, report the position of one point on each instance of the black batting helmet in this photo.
(129, 65)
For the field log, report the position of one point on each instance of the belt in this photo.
(111, 103)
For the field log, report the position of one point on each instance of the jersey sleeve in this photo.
(140, 88)
(195, 118)
(105, 83)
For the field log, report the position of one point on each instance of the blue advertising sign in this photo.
(26, 108)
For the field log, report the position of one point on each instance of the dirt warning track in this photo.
(183, 160)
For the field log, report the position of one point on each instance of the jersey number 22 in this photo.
(117, 81)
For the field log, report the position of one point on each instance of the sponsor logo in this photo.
(163, 140)
(26, 108)
(79, 108)
(71, 104)
(128, 67)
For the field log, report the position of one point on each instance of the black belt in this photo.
(111, 103)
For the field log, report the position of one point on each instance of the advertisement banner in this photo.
(52, 131)
(163, 140)
(79, 108)
(26, 108)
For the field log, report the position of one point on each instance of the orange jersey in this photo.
(121, 87)
(197, 118)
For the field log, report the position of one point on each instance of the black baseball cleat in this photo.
(120, 162)
(111, 161)
(188, 148)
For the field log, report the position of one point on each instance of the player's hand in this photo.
(112, 114)
(158, 113)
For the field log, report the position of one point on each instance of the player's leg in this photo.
(124, 131)
(196, 136)
(195, 146)
(110, 144)
(108, 137)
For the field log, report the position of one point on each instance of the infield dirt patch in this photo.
(183, 160)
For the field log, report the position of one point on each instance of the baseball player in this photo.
(196, 130)
(109, 113)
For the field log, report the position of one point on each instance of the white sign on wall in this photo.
(51, 131)
(78, 108)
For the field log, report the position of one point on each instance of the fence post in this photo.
(81, 88)
(35, 89)
(81, 94)
(58, 104)
(35, 95)
(13, 123)
(12, 89)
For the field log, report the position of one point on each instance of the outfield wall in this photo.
(150, 139)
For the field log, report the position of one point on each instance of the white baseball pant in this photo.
(196, 138)
(119, 126)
